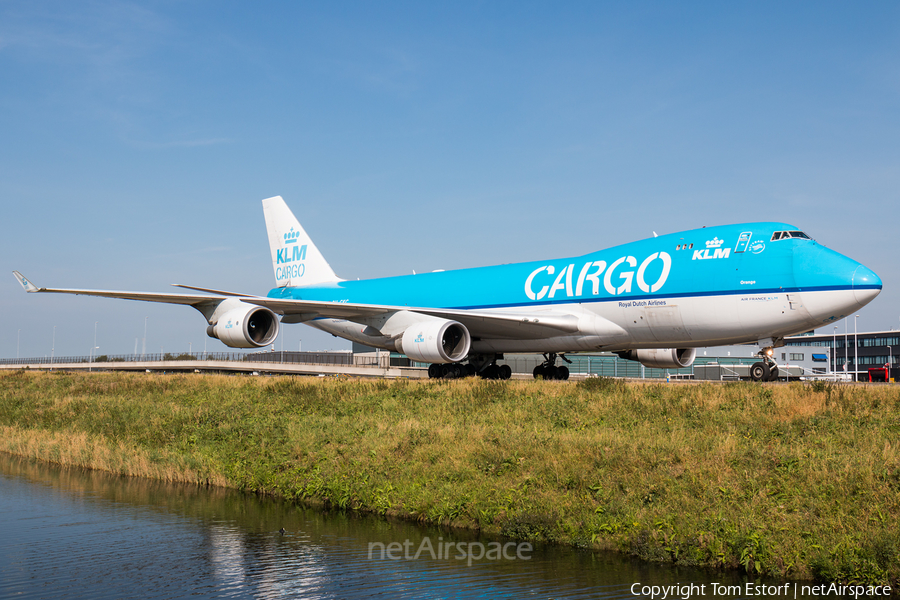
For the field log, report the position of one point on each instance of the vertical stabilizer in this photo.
(295, 258)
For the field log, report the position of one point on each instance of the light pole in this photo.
(846, 346)
(53, 348)
(890, 363)
(94, 347)
(855, 351)
(18, 338)
(144, 343)
(834, 349)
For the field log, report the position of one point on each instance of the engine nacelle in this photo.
(662, 358)
(245, 326)
(436, 341)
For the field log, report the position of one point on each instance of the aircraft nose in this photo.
(866, 285)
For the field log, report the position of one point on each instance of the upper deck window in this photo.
(783, 235)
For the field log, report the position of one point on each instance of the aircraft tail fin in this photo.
(295, 258)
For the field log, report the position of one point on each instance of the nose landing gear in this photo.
(766, 369)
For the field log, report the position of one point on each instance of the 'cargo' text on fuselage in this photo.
(617, 278)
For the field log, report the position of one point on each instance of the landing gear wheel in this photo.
(548, 369)
(773, 373)
(759, 371)
(505, 372)
(491, 372)
(470, 370)
(434, 371)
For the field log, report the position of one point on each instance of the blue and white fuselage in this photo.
(655, 299)
(706, 287)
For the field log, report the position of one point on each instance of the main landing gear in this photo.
(549, 370)
(450, 371)
(766, 369)
(485, 366)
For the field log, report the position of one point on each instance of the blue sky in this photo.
(139, 138)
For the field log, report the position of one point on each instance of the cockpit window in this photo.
(783, 235)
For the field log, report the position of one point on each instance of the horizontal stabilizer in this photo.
(211, 291)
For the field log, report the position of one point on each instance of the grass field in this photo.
(798, 480)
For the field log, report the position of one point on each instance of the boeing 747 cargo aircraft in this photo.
(653, 301)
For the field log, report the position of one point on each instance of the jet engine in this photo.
(245, 326)
(662, 358)
(435, 341)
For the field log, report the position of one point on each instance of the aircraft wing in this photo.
(188, 299)
(510, 323)
(505, 323)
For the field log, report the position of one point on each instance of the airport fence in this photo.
(315, 358)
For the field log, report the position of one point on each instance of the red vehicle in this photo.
(878, 374)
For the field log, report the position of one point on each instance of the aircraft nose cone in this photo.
(866, 285)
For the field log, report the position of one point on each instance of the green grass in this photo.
(787, 480)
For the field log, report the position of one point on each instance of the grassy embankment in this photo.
(790, 480)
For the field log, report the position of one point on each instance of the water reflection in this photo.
(83, 534)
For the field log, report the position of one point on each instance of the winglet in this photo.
(29, 287)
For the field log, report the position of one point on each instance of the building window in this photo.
(878, 361)
(795, 356)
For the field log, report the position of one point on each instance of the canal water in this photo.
(71, 533)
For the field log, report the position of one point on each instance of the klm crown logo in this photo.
(713, 250)
(291, 236)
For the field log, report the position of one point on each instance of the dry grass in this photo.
(792, 480)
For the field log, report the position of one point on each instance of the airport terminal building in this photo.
(859, 354)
